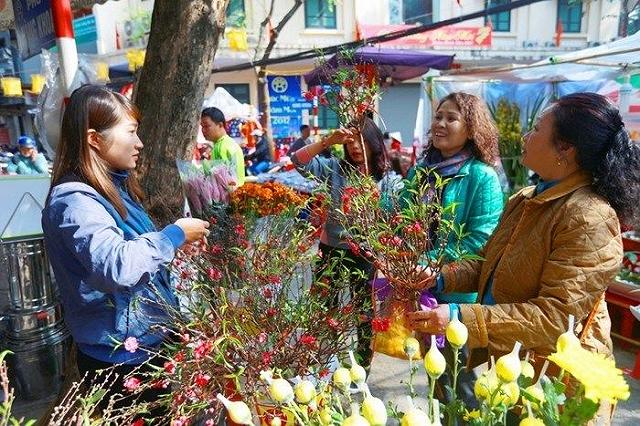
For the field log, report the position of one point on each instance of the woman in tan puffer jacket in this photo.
(557, 246)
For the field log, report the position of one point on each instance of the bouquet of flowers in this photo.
(265, 199)
(404, 235)
(249, 303)
(206, 185)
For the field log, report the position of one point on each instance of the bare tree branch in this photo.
(263, 25)
(276, 31)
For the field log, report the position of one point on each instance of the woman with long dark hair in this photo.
(364, 152)
(558, 245)
(107, 256)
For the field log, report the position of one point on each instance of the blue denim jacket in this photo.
(110, 271)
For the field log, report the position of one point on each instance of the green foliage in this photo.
(507, 117)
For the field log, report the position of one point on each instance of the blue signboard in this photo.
(34, 26)
(84, 29)
(287, 104)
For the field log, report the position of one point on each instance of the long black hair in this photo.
(374, 139)
(591, 124)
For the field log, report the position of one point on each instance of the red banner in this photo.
(447, 36)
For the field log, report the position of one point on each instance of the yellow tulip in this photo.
(355, 419)
(536, 392)
(568, 338)
(457, 333)
(325, 417)
(281, 391)
(357, 373)
(531, 421)
(411, 347)
(415, 417)
(434, 361)
(527, 369)
(508, 394)
(373, 409)
(305, 392)
(239, 412)
(508, 367)
(342, 378)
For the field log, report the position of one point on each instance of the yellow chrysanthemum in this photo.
(471, 415)
(599, 375)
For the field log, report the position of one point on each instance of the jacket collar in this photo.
(576, 180)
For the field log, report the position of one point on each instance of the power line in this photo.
(307, 54)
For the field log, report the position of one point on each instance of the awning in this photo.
(395, 64)
(607, 61)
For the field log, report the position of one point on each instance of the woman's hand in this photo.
(340, 137)
(425, 279)
(194, 229)
(434, 321)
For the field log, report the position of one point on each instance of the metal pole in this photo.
(67, 50)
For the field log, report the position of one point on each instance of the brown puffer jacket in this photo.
(551, 255)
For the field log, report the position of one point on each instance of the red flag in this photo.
(559, 30)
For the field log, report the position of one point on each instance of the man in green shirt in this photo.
(224, 148)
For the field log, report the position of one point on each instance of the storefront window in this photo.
(319, 14)
(235, 14)
(570, 14)
(499, 21)
(417, 11)
(238, 91)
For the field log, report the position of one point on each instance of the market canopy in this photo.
(392, 64)
(607, 61)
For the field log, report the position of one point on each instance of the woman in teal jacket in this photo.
(463, 148)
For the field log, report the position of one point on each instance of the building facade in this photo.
(522, 35)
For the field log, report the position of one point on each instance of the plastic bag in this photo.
(391, 341)
(48, 120)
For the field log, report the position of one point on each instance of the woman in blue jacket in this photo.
(107, 256)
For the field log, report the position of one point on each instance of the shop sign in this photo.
(84, 29)
(287, 105)
(442, 37)
(34, 26)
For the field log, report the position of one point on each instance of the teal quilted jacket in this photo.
(479, 202)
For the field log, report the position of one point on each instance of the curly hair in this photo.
(483, 133)
(590, 123)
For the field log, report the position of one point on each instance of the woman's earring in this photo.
(559, 161)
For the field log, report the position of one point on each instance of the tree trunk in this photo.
(182, 43)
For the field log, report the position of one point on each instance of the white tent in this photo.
(230, 106)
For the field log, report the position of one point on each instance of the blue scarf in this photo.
(445, 167)
(137, 221)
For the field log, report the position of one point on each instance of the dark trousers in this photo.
(90, 366)
(360, 274)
